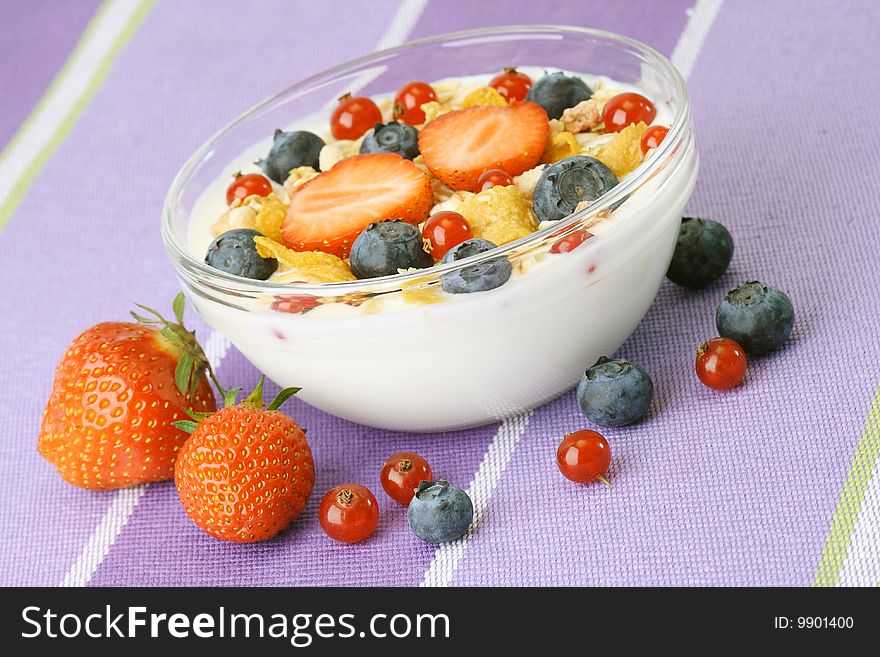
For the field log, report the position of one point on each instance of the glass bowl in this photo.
(370, 350)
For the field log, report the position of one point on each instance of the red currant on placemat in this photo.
(511, 84)
(409, 100)
(247, 185)
(353, 116)
(445, 230)
(625, 109)
(584, 456)
(348, 513)
(721, 363)
(401, 475)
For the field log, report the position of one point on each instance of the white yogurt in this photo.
(474, 358)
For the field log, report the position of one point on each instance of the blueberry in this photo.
(392, 137)
(386, 246)
(556, 92)
(757, 316)
(475, 278)
(236, 253)
(702, 253)
(568, 182)
(614, 392)
(439, 512)
(289, 151)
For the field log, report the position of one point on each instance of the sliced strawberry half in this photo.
(329, 211)
(457, 147)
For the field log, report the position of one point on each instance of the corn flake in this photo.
(560, 146)
(434, 109)
(271, 212)
(484, 97)
(623, 153)
(500, 214)
(303, 266)
(416, 292)
(297, 177)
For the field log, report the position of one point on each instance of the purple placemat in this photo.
(773, 483)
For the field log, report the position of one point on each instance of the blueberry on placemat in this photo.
(757, 316)
(615, 392)
(439, 512)
(702, 253)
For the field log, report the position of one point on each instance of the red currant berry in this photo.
(570, 242)
(584, 456)
(409, 100)
(652, 137)
(295, 303)
(511, 84)
(348, 513)
(492, 178)
(401, 475)
(625, 109)
(247, 185)
(353, 116)
(721, 363)
(445, 230)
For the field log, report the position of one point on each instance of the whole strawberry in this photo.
(247, 471)
(117, 391)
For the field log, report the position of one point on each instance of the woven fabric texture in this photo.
(773, 483)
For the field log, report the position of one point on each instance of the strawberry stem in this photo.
(255, 399)
(192, 363)
(185, 425)
(282, 396)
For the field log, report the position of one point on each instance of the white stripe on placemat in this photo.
(216, 347)
(402, 24)
(118, 513)
(67, 91)
(449, 555)
(102, 539)
(700, 19)
(501, 449)
(862, 564)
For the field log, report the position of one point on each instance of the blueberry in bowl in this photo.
(556, 92)
(290, 150)
(235, 252)
(393, 137)
(386, 247)
(479, 277)
(569, 182)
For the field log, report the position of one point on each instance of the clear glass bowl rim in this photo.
(221, 281)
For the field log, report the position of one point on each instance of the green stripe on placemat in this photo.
(63, 128)
(850, 503)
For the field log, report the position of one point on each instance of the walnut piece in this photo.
(582, 117)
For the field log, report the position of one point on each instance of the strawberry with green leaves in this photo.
(117, 391)
(247, 471)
